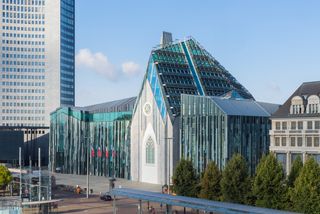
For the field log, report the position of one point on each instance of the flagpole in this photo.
(88, 169)
(88, 172)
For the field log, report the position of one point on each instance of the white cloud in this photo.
(99, 63)
(130, 68)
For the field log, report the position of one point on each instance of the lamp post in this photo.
(88, 169)
(169, 160)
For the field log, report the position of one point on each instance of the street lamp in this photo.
(88, 152)
(169, 155)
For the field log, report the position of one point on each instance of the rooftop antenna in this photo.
(166, 38)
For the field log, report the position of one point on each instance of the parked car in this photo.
(106, 197)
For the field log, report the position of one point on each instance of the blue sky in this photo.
(271, 47)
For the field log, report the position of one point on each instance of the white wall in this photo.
(142, 127)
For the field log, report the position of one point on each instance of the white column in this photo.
(288, 163)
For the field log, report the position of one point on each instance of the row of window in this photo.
(27, 2)
(21, 15)
(18, 90)
(33, 77)
(23, 118)
(22, 111)
(22, 104)
(294, 125)
(7, 97)
(23, 124)
(22, 83)
(297, 141)
(29, 63)
(34, 131)
(22, 49)
(22, 56)
(18, 21)
(22, 42)
(24, 35)
(15, 69)
(17, 28)
(298, 105)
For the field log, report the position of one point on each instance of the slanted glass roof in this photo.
(194, 203)
(244, 107)
(185, 67)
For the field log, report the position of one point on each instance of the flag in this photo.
(99, 154)
(92, 152)
(107, 152)
(113, 153)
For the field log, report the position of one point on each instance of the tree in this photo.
(295, 170)
(210, 182)
(235, 183)
(306, 192)
(269, 183)
(185, 179)
(5, 176)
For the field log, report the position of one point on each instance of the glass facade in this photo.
(67, 44)
(210, 133)
(100, 132)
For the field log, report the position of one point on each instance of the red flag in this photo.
(92, 152)
(99, 153)
(107, 153)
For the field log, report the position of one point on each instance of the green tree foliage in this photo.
(185, 179)
(306, 192)
(5, 176)
(235, 184)
(269, 184)
(295, 170)
(210, 182)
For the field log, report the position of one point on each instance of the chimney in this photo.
(166, 38)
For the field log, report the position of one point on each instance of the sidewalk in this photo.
(101, 184)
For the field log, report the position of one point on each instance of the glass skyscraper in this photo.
(37, 60)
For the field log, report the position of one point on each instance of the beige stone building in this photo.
(296, 126)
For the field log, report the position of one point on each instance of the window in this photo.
(317, 125)
(293, 141)
(309, 141)
(283, 141)
(277, 125)
(300, 125)
(150, 151)
(313, 104)
(316, 141)
(284, 125)
(293, 125)
(310, 125)
(277, 141)
(299, 141)
(297, 106)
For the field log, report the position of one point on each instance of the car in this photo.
(106, 197)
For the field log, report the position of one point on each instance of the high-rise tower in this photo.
(36, 60)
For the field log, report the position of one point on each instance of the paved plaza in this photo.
(101, 184)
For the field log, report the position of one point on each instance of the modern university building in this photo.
(189, 106)
(100, 131)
